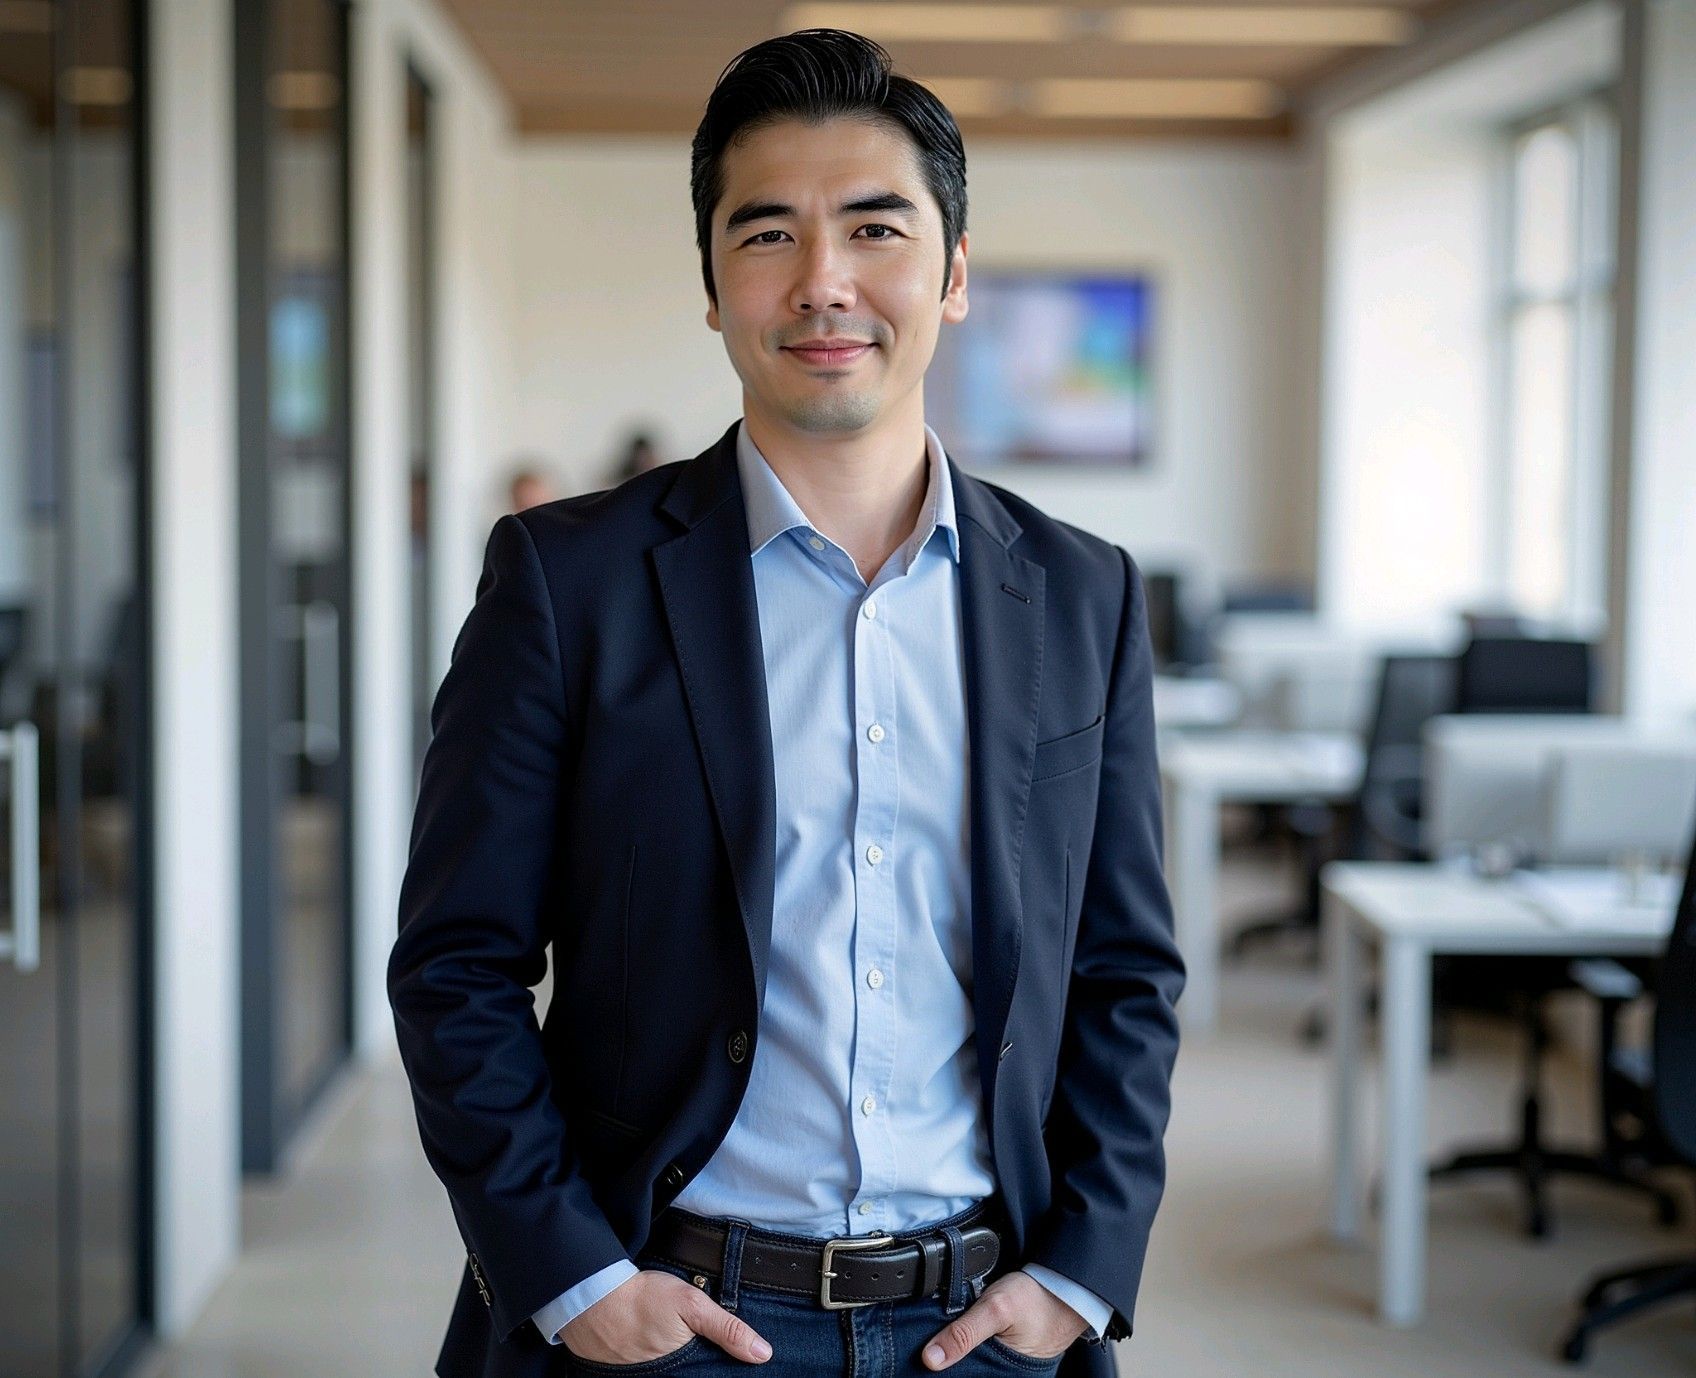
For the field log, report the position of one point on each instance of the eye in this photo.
(889, 232)
(760, 238)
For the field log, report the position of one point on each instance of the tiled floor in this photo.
(350, 1267)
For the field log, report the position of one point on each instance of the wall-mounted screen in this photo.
(1048, 368)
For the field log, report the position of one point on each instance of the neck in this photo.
(863, 489)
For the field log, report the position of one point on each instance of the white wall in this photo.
(1408, 470)
(194, 576)
(471, 124)
(1660, 651)
(1403, 490)
(609, 330)
(193, 580)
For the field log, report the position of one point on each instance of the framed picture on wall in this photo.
(1050, 367)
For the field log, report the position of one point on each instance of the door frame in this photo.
(135, 1337)
(268, 1125)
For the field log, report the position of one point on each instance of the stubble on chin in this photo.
(836, 411)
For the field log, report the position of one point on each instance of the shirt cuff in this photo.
(1093, 1309)
(571, 1304)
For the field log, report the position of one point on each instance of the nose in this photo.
(822, 281)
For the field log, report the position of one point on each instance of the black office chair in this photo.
(1381, 823)
(1530, 675)
(1521, 674)
(1269, 596)
(1664, 1085)
(1384, 818)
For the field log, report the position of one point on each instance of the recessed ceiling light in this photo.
(941, 23)
(1149, 98)
(1154, 98)
(303, 91)
(1322, 25)
(1262, 25)
(96, 85)
(975, 96)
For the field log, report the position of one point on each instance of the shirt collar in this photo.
(772, 511)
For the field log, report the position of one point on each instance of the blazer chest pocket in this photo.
(1062, 755)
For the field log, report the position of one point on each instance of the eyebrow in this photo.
(885, 201)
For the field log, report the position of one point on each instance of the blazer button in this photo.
(477, 1275)
(738, 1046)
(673, 1175)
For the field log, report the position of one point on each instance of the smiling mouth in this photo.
(828, 355)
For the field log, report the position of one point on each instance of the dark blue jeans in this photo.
(883, 1340)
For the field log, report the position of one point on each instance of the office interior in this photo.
(297, 297)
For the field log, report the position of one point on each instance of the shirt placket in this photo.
(876, 986)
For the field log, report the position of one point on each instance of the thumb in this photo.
(729, 1332)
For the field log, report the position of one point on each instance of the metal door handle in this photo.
(320, 625)
(20, 745)
(316, 734)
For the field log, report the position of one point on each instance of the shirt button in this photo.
(865, 1208)
(871, 607)
(868, 1105)
(874, 978)
(815, 542)
(875, 732)
(874, 854)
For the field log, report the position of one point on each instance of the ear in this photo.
(712, 315)
(954, 303)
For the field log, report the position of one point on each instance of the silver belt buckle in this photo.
(873, 1241)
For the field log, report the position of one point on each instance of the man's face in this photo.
(836, 236)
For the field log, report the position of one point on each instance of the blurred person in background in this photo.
(828, 770)
(528, 487)
(640, 455)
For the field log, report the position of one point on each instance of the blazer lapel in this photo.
(1001, 600)
(706, 580)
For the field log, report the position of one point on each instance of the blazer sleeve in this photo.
(1112, 1095)
(472, 943)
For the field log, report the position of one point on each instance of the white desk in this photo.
(1199, 774)
(1201, 701)
(1412, 912)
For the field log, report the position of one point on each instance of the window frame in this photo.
(1592, 120)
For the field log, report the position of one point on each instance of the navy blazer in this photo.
(600, 779)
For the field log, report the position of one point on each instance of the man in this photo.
(828, 773)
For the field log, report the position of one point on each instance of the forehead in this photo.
(796, 159)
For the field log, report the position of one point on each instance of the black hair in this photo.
(815, 75)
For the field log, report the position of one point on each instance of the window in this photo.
(1554, 331)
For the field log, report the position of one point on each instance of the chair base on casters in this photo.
(1299, 922)
(1614, 1296)
(1533, 1167)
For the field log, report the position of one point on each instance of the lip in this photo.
(829, 353)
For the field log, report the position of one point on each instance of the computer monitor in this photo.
(1485, 775)
(1161, 590)
(1607, 800)
(1516, 674)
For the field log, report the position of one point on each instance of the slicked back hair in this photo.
(814, 75)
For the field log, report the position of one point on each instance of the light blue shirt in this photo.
(863, 1110)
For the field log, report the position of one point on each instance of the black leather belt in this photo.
(853, 1270)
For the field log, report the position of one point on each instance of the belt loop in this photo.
(730, 1274)
(956, 1300)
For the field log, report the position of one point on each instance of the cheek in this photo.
(909, 300)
